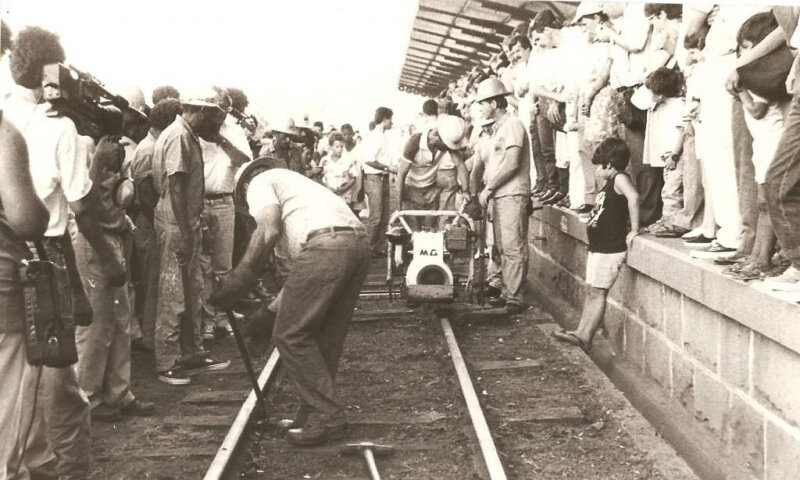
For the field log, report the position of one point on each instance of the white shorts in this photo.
(602, 269)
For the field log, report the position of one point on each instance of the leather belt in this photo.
(323, 231)
(217, 196)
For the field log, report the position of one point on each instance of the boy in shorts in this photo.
(609, 237)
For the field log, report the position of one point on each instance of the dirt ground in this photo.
(400, 387)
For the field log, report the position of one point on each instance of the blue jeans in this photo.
(376, 188)
(316, 306)
(783, 186)
(218, 227)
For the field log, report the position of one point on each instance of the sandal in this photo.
(572, 339)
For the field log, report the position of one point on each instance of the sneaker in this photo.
(564, 203)
(204, 364)
(788, 281)
(174, 376)
(732, 260)
(692, 233)
(698, 241)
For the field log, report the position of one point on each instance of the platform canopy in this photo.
(450, 37)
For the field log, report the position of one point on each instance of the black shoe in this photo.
(564, 203)
(699, 241)
(548, 195)
(514, 308)
(583, 209)
(105, 413)
(204, 364)
(137, 408)
(538, 191)
(493, 292)
(316, 435)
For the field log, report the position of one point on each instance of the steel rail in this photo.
(221, 463)
(488, 448)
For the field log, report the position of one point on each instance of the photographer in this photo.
(22, 217)
(61, 178)
(179, 179)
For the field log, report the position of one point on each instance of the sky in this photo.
(334, 60)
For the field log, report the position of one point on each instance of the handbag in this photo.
(766, 76)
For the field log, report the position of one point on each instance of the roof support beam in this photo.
(499, 27)
(515, 12)
(467, 43)
(491, 38)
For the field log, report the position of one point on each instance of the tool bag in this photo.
(49, 310)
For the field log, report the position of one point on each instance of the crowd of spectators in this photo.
(701, 94)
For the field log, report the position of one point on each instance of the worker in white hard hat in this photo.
(179, 180)
(507, 190)
(420, 186)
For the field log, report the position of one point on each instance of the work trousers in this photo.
(510, 221)
(691, 216)
(421, 198)
(216, 256)
(672, 193)
(782, 186)
(745, 179)
(104, 347)
(376, 189)
(577, 183)
(146, 247)
(647, 180)
(716, 119)
(544, 152)
(14, 369)
(586, 152)
(171, 304)
(60, 436)
(314, 314)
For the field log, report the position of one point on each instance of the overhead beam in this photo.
(499, 27)
(491, 38)
(515, 12)
(466, 53)
(461, 41)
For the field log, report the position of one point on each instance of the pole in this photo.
(248, 366)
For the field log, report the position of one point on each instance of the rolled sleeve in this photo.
(260, 194)
(177, 152)
(514, 135)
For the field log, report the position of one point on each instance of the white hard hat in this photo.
(453, 131)
(489, 88)
(587, 8)
(201, 97)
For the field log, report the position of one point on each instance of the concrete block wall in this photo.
(726, 353)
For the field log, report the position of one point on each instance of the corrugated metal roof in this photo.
(449, 37)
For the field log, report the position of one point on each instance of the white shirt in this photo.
(721, 38)
(664, 123)
(305, 206)
(336, 173)
(217, 167)
(57, 158)
(375, 148)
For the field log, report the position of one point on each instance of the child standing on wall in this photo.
(609, 237)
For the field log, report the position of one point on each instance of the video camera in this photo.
(84, 99)
(246, 121)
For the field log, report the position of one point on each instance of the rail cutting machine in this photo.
(435, 265)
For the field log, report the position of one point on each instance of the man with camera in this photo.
(61, 178)
(179, 179)
(221, 158)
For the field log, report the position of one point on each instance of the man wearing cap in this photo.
(285, 133)
(221, 157)
(178, 176)
(507, 188)
(329, 255)
(420, 184)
